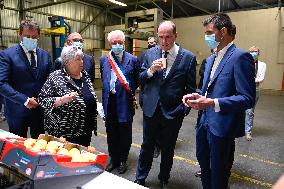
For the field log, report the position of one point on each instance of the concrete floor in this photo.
(258, 164)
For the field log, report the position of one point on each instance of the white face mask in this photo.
(30, 43)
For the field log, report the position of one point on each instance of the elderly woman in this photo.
(69, 100)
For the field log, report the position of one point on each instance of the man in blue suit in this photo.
(228, 90)
(89, 65)
(23, 70)
(119, 72)
(164, 82)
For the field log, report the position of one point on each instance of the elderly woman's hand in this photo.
(65, 99)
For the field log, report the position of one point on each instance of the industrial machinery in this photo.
(58, 32)
(139, 26)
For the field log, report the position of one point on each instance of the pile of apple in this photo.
(56, 147)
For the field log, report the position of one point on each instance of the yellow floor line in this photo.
(262, 160)
(195, 163)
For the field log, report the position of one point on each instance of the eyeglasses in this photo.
(32, 37)
(78, 40)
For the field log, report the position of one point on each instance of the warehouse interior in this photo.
(259, 163)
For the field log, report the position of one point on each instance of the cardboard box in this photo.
(43, 165)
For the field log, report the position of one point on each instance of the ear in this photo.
(68, 42)
(224, 31)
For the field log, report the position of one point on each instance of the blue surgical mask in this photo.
(211, 41)
(254, 55)
(30, 43)
(117, 49)
(78, 44)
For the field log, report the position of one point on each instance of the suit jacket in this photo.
(124, 101)
(88, 62)
(234, 87)
(17, 81)
(168, 92)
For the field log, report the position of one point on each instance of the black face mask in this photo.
(150, 46)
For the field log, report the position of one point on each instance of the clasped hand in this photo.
(197, 101)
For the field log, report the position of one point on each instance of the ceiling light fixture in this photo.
(118, 3)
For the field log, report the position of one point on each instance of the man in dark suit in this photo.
(119, 72)
(89, 65)
(23, 70)
(163, 111)
(228, 90)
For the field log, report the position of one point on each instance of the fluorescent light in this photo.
(118, 3)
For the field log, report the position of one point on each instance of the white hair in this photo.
(115, 33)
(69, 53)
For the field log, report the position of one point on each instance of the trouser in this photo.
(215, 156)
(119, 135)
(167, 130)
(250, 115)
(34, 120)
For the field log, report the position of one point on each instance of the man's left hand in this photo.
(200, 102)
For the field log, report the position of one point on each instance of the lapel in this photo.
(25, 59)
(69, 79)
(223, 62)
(40, 62)
(209, 64)
(125, 61)
(176, 63)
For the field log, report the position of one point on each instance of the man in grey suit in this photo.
(164, 82)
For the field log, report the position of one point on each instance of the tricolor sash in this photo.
(119, 73)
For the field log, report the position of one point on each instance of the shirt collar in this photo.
(173, 50)
(25, 49)
(224, 50)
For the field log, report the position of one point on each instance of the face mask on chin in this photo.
(211, 42)
(117, 49)
(30, 43)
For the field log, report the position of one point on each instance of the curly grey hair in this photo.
(69, 53)
(115, 33)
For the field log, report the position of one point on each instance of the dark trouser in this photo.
(215, 156)
(119, 135)
(167, 130)
(34, 120)
(83, 140)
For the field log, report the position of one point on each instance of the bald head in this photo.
(74, 35)
(75, 39)
(167, 35)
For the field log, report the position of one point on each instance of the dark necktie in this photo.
(33, 61)
(165, 69)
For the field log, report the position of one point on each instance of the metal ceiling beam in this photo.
(236, 5)
(177, 3)
(161, 9)
(262, 4)
(196, 7)
(92, 22)
(47, 5)
(101, 8)
(133, 3)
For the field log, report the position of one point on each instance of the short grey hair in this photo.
(69, 53)
(115, 33)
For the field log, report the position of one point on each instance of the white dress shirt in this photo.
(171, 57)
(218, 59)
(29, 58)
(29, 54)
(261, 69)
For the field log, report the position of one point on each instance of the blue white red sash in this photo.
(118, 73)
